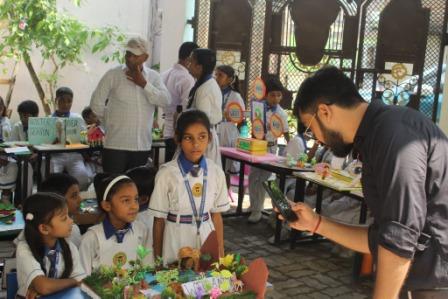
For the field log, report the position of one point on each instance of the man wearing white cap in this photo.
(125, 100)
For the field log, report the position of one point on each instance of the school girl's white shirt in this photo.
(148, 220)
(29, 268)
(97, 250)
(75, 236)
(208, 98)
(171, 196)
(295, 147)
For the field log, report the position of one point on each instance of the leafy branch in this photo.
(61, 39)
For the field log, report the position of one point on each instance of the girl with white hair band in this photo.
(115, 240)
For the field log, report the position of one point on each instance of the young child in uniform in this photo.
(115, 240)
(46, 262)
(90, 118)
(67, 186)
(93, 161)
(26, 109)
(190, 192)
(274, 115)
(144, 178)
(206, 96)
(227, 131)
(73, 163)
(19, 132)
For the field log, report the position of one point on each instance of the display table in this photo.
(268, 162)
(15, 227)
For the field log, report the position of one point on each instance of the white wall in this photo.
(174, 29)
(131, 16)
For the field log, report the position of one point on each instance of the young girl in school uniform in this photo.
(227, 131)
(206, 96)
(115, 240)
(190, 192)
(46, 261)
(67, 186)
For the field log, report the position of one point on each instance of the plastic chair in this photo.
(235, 180)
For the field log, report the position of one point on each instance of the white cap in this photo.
(137, 46)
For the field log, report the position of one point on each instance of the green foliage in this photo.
(166, 277)
(231, 263)
(60, 38)
(38, 23)
(168, 293)
(118, 277)
(98, 279)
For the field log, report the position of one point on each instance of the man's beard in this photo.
(335, 141)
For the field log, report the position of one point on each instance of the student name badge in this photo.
(259, 89)
(258, 129)
(276, 125)
(235, 113)
(120, 258)
(197, 190)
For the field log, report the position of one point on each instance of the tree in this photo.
(60, 39)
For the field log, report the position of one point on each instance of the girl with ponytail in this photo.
(206, 95)
(46, 261)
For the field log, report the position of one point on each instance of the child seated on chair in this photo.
(73, 163)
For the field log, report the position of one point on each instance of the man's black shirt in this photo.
(405, 185)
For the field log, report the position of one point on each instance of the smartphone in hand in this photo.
(280, 201)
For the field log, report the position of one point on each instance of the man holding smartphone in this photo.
(404, 180)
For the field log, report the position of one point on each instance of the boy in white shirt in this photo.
(276, 125)
(73, 163)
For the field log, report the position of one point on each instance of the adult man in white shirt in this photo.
(179, 82)
(125, 100)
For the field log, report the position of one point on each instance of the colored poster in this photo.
(42, 130)
(72, 130)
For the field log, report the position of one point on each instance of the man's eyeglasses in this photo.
(308, 134)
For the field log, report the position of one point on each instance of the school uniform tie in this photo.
(120, 233)
(52, 256)
(195, 170)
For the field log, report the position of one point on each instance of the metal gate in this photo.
(392, 49)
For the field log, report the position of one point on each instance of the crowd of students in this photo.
(175, 206)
